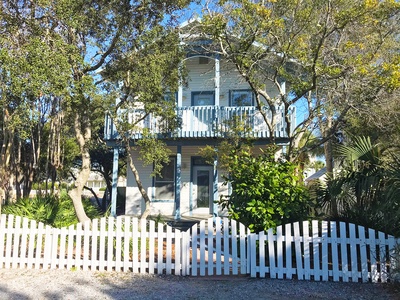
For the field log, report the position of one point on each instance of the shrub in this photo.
(66, 213)
(64, 186)
(50, 210)
(41, 209)
(265, 191)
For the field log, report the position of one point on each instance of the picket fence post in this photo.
(288, 249)
(226, 238)
(234, 244)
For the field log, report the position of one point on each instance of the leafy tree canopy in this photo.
(336, 56)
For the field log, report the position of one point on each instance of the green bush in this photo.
(64, 186)
(41, 209)
(50, 210)
(66, 213)
(42, 185)
(265, 191)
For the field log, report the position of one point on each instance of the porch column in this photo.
(215, 188)
(283, 87)
(180, 95)
(217, 81)
(281, 109)
(114, 183)
(178, 182)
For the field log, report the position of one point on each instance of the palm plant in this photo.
(366, 189)
(50, 210)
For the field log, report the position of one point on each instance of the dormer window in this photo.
(241, 98)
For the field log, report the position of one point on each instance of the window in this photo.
(165, 182)
(203, 60)
(202, 98)
(169, 96)
(241, 98)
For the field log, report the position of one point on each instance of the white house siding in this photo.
(201, 77)
(135, 202)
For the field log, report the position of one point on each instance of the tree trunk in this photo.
(76, 196)
(94, 195)
(2, 197)
(18, 192)
(83, 175)
(142, 190)
(328, 151)
(107, 195)
(5, 158)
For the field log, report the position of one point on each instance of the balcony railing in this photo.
(205, 121)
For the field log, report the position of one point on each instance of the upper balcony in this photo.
(205, 122)
(214, 99)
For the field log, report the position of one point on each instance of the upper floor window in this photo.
(203, 60)
(203, 98)
(241, 98)
(170, 96)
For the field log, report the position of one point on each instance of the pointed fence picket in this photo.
(315, 250)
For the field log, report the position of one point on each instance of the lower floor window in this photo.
(164, 183)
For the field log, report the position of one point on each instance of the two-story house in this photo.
(215, 92)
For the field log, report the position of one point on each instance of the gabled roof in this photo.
(188, 31)
(316, 175)
(191, 21)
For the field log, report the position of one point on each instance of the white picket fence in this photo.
(306, 251)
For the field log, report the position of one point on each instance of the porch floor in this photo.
(186, 222)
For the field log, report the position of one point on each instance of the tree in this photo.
(381, 122)
(335, 56)
(141, 80)
(101, 156)
(79, 38)
(34, 71)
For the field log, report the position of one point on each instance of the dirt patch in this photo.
(64, 284)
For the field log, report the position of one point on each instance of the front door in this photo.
(203, 194)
